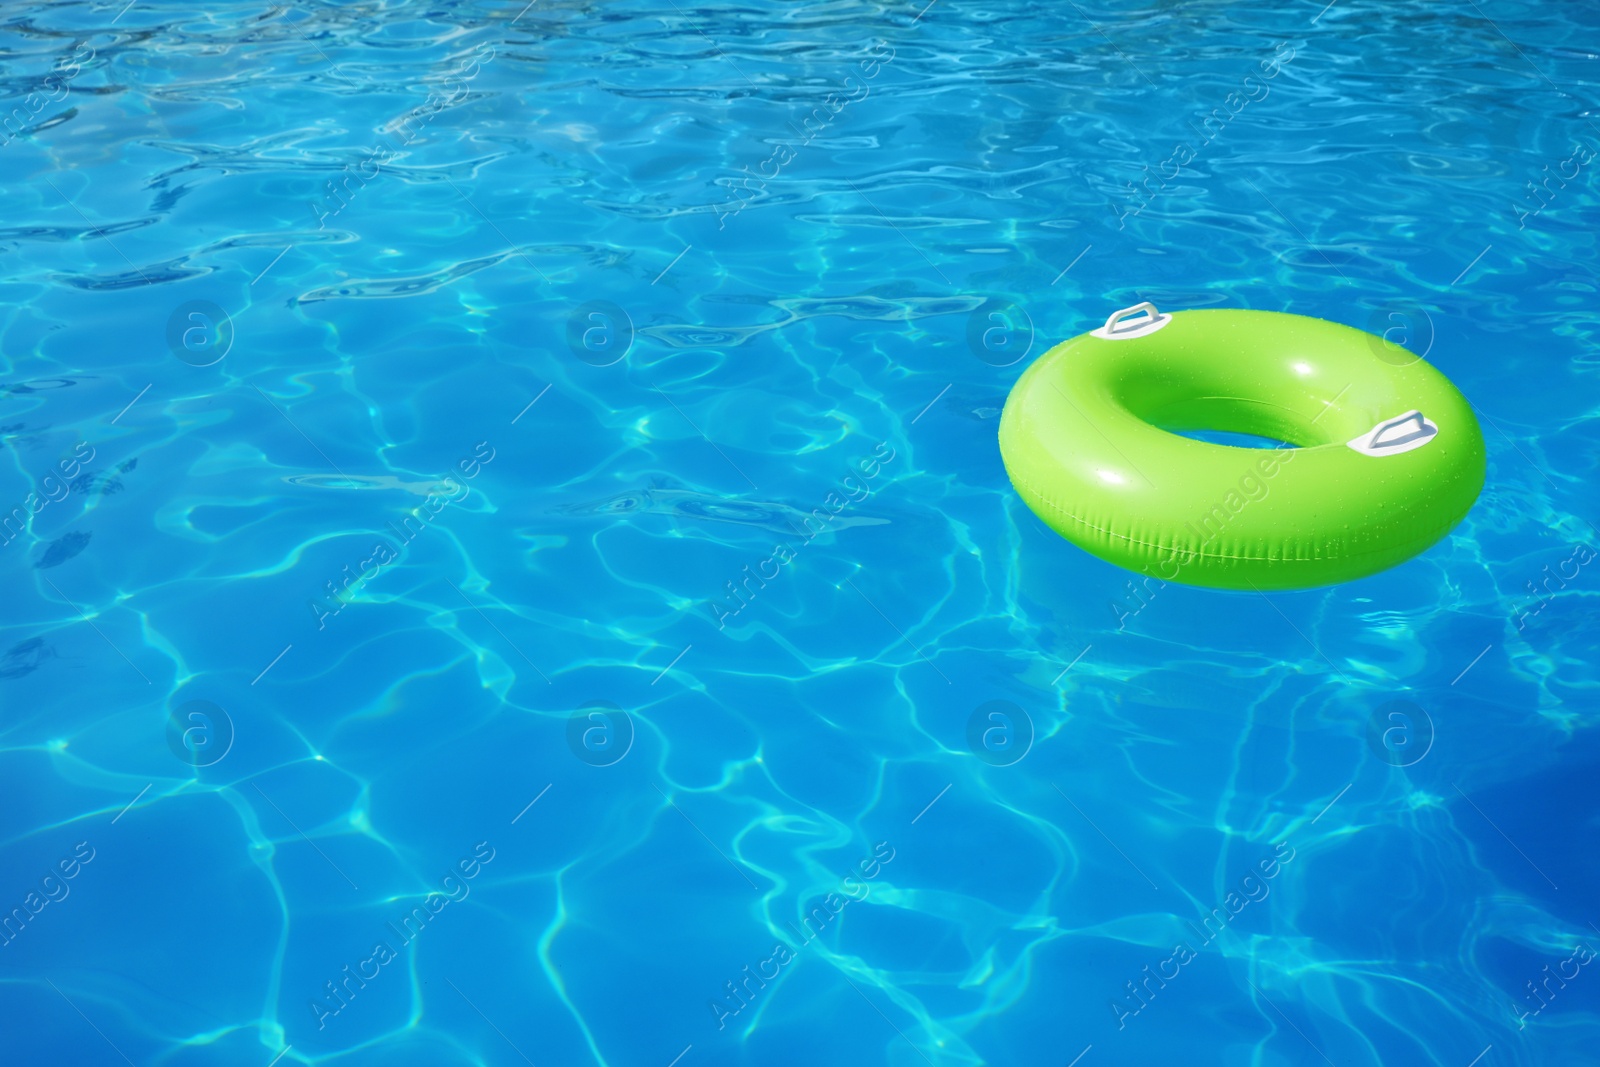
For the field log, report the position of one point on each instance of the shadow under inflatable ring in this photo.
(1385, 459)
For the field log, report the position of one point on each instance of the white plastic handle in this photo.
(1393, 436)
(1154, 322)
(1118, 316)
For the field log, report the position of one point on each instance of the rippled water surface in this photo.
(415, 650)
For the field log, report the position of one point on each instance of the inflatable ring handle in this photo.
(1399, 434)
(1154, 322)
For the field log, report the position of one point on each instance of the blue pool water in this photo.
(529, 332)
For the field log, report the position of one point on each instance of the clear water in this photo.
(401, 224)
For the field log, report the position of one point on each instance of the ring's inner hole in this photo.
(1230, 437)
(1229, 420)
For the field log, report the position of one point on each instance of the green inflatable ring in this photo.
(1386, 455)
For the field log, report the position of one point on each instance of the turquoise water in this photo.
(415, 650)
